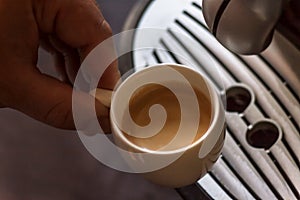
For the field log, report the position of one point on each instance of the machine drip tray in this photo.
(262, 94)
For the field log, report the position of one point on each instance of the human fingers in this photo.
(50, 101)
(80, 25)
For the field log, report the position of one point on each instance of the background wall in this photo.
(116, 11)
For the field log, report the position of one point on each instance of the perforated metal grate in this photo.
(262, 95)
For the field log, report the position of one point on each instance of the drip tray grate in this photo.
(262, 99)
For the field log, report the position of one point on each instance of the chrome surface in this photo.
(273, 81)
(244, 27)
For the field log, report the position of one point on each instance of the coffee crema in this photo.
(148, 95)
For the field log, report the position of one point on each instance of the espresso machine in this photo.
(250, 50)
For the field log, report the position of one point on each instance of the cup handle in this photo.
(102, 95)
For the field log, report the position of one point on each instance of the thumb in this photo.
(50, 101)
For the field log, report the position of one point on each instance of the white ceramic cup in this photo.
(169, 167)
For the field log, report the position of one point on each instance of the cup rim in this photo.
(214, 99)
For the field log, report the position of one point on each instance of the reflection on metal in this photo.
(268, 85)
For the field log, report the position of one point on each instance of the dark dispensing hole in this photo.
(238, 99)
(263, 135)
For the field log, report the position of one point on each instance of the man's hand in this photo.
(69, 30)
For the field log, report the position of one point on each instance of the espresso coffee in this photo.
(151, 94)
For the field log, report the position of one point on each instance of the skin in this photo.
(56, 26)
